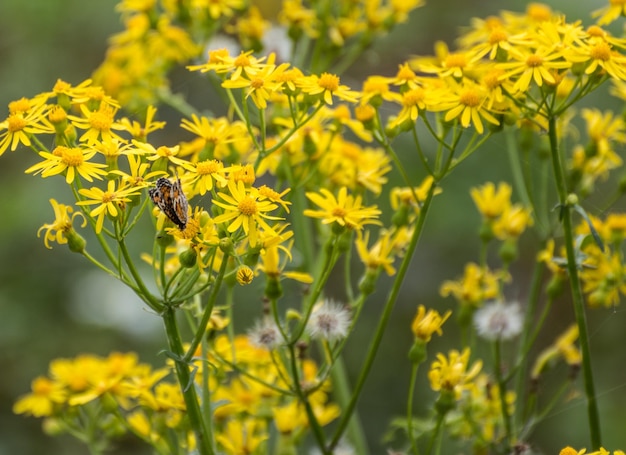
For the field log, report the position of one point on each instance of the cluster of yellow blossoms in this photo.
(282, 186)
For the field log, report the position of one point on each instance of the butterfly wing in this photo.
(171, 200)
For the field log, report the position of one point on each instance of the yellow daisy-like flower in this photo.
(205, 174)
(71, 161)
(378, 255)
(345, 210)
(513, 222)
(245, 208)
(563, 347)
(21, 125)
(241, 437)
(477, 285)
(608, 14)
(529, 65)
(451, 373)
(261, 85)
(100, 124)
(428, 322)
(469, 103)
(326, 87)
(110, 201)
(491, 203)
(40, 403)
(62, 226)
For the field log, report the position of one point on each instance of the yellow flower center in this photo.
(413, 97)
(94, 93)
(242, 61)
(405, 73)
(596, 32)
(42, 387)
(364, 113)
(57, 114)
(72, 156)
(492, 79)
(256, 83)
(207, 167)
(533, 61)
(100, 121)
(617, 2)
(164, 151)
(21, 105)
(493, 22)
(339, 212)
(568, 451)
(470, 98)
(455, 61)
(539, 12)
(108, 197)
(247, 206)
(375, 86)
(328, 82)
(16, 123)
(497, 36)
(601, 51)
(218, 55)
(61, 86)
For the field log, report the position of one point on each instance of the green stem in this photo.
(497, 354)
(145, 293)
(409, 408)
(520, 183)
(318, 433)
(436, 433)
(380, 329)
(341, 390)
(188, 388)
(577, 296)
(197, 339)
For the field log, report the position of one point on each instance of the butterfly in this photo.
(168, 196)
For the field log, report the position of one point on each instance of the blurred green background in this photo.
(53, 305)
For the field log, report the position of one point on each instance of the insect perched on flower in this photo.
(169, 198)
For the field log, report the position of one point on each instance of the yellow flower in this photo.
(204, 174)
(290, 417)
(71, 161)
(40, 403)
(468, 102)
(378, 255)
(533, 65)
(261, 85)
(326, 87)
(512, 222)
(608, 14)
(426, 323)
(345, 210)
(100, 124)
(110, 201)
(270, 259)
(245, 208)
(413, 102)
(241, 437)
(491, 203)
(451, 373)
(62, 227)
(245, 64)
(21, 125)
(244, 275)
(139, 131)
(563, 347)
(477, 285)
